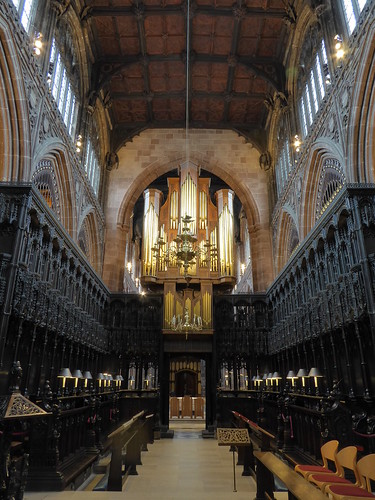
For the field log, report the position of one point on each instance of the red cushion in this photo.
(327, 478)
(343, 489)
(313, 468)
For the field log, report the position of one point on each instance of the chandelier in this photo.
(184, 325)
(185, 251)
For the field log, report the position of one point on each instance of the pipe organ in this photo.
(188, 224)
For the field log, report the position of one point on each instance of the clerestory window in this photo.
(91, 165)
(26, 10)
(283, 166)
(62, 90)
(352, 11)
(316, 80)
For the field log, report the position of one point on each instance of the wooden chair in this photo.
(346, 459)
(366, 472)
(199, 407)
(174, 407)
(187, 407)
(328, 452)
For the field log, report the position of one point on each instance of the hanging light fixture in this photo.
(186, 250)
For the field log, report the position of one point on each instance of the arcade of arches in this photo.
(147, 256)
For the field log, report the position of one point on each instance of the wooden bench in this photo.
(268, 466)
(127, 436)
(259, 438)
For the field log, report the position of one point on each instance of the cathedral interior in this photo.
(187, 224)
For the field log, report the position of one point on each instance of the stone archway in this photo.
(237, 166)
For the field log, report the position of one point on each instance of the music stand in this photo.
(233, 437)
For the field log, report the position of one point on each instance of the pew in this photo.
(128, 436)
(268, 466)
(259, 437)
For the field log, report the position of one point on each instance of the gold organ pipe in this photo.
(150, 229)
(207, 309)
(226, 238)
(197, 309)
(189, 201)
(163, 250)
(168, 312)
(214, 256)
(174, 210)
(202, 210)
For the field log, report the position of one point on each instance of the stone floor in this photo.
(184, 468)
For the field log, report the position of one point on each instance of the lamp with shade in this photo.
(77, 374)
(64, 374)
(292, 376)
(276, 376)
(100, 378)
(86, 376)
(302, 374)
(315, 374)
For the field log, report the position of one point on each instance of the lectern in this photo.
(233, 438)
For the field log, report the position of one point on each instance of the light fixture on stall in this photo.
(77, 374)
(100, 378)
(118, 380)
(64, 374)
(276, 376)
(87, 376)
(292, 376)
(302, 374)
(315, 374)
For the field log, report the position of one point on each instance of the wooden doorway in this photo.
(186, 383)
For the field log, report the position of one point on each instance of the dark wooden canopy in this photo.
(235, 63)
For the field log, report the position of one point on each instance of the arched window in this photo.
(26, 11)
(91, 165)
(352, 10)
(61, 86)
(313, 79)
(332, 180)
(284, 161)
(45, 181)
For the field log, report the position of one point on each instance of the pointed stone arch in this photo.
(324, 159)
(15, 141)
(89, 240)
(288, 238)
(56, 157)
(361, 130)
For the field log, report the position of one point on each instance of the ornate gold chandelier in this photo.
(185, 251)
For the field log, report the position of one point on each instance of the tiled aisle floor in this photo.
(184, 468)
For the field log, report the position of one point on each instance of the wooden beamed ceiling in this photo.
(235, 63)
